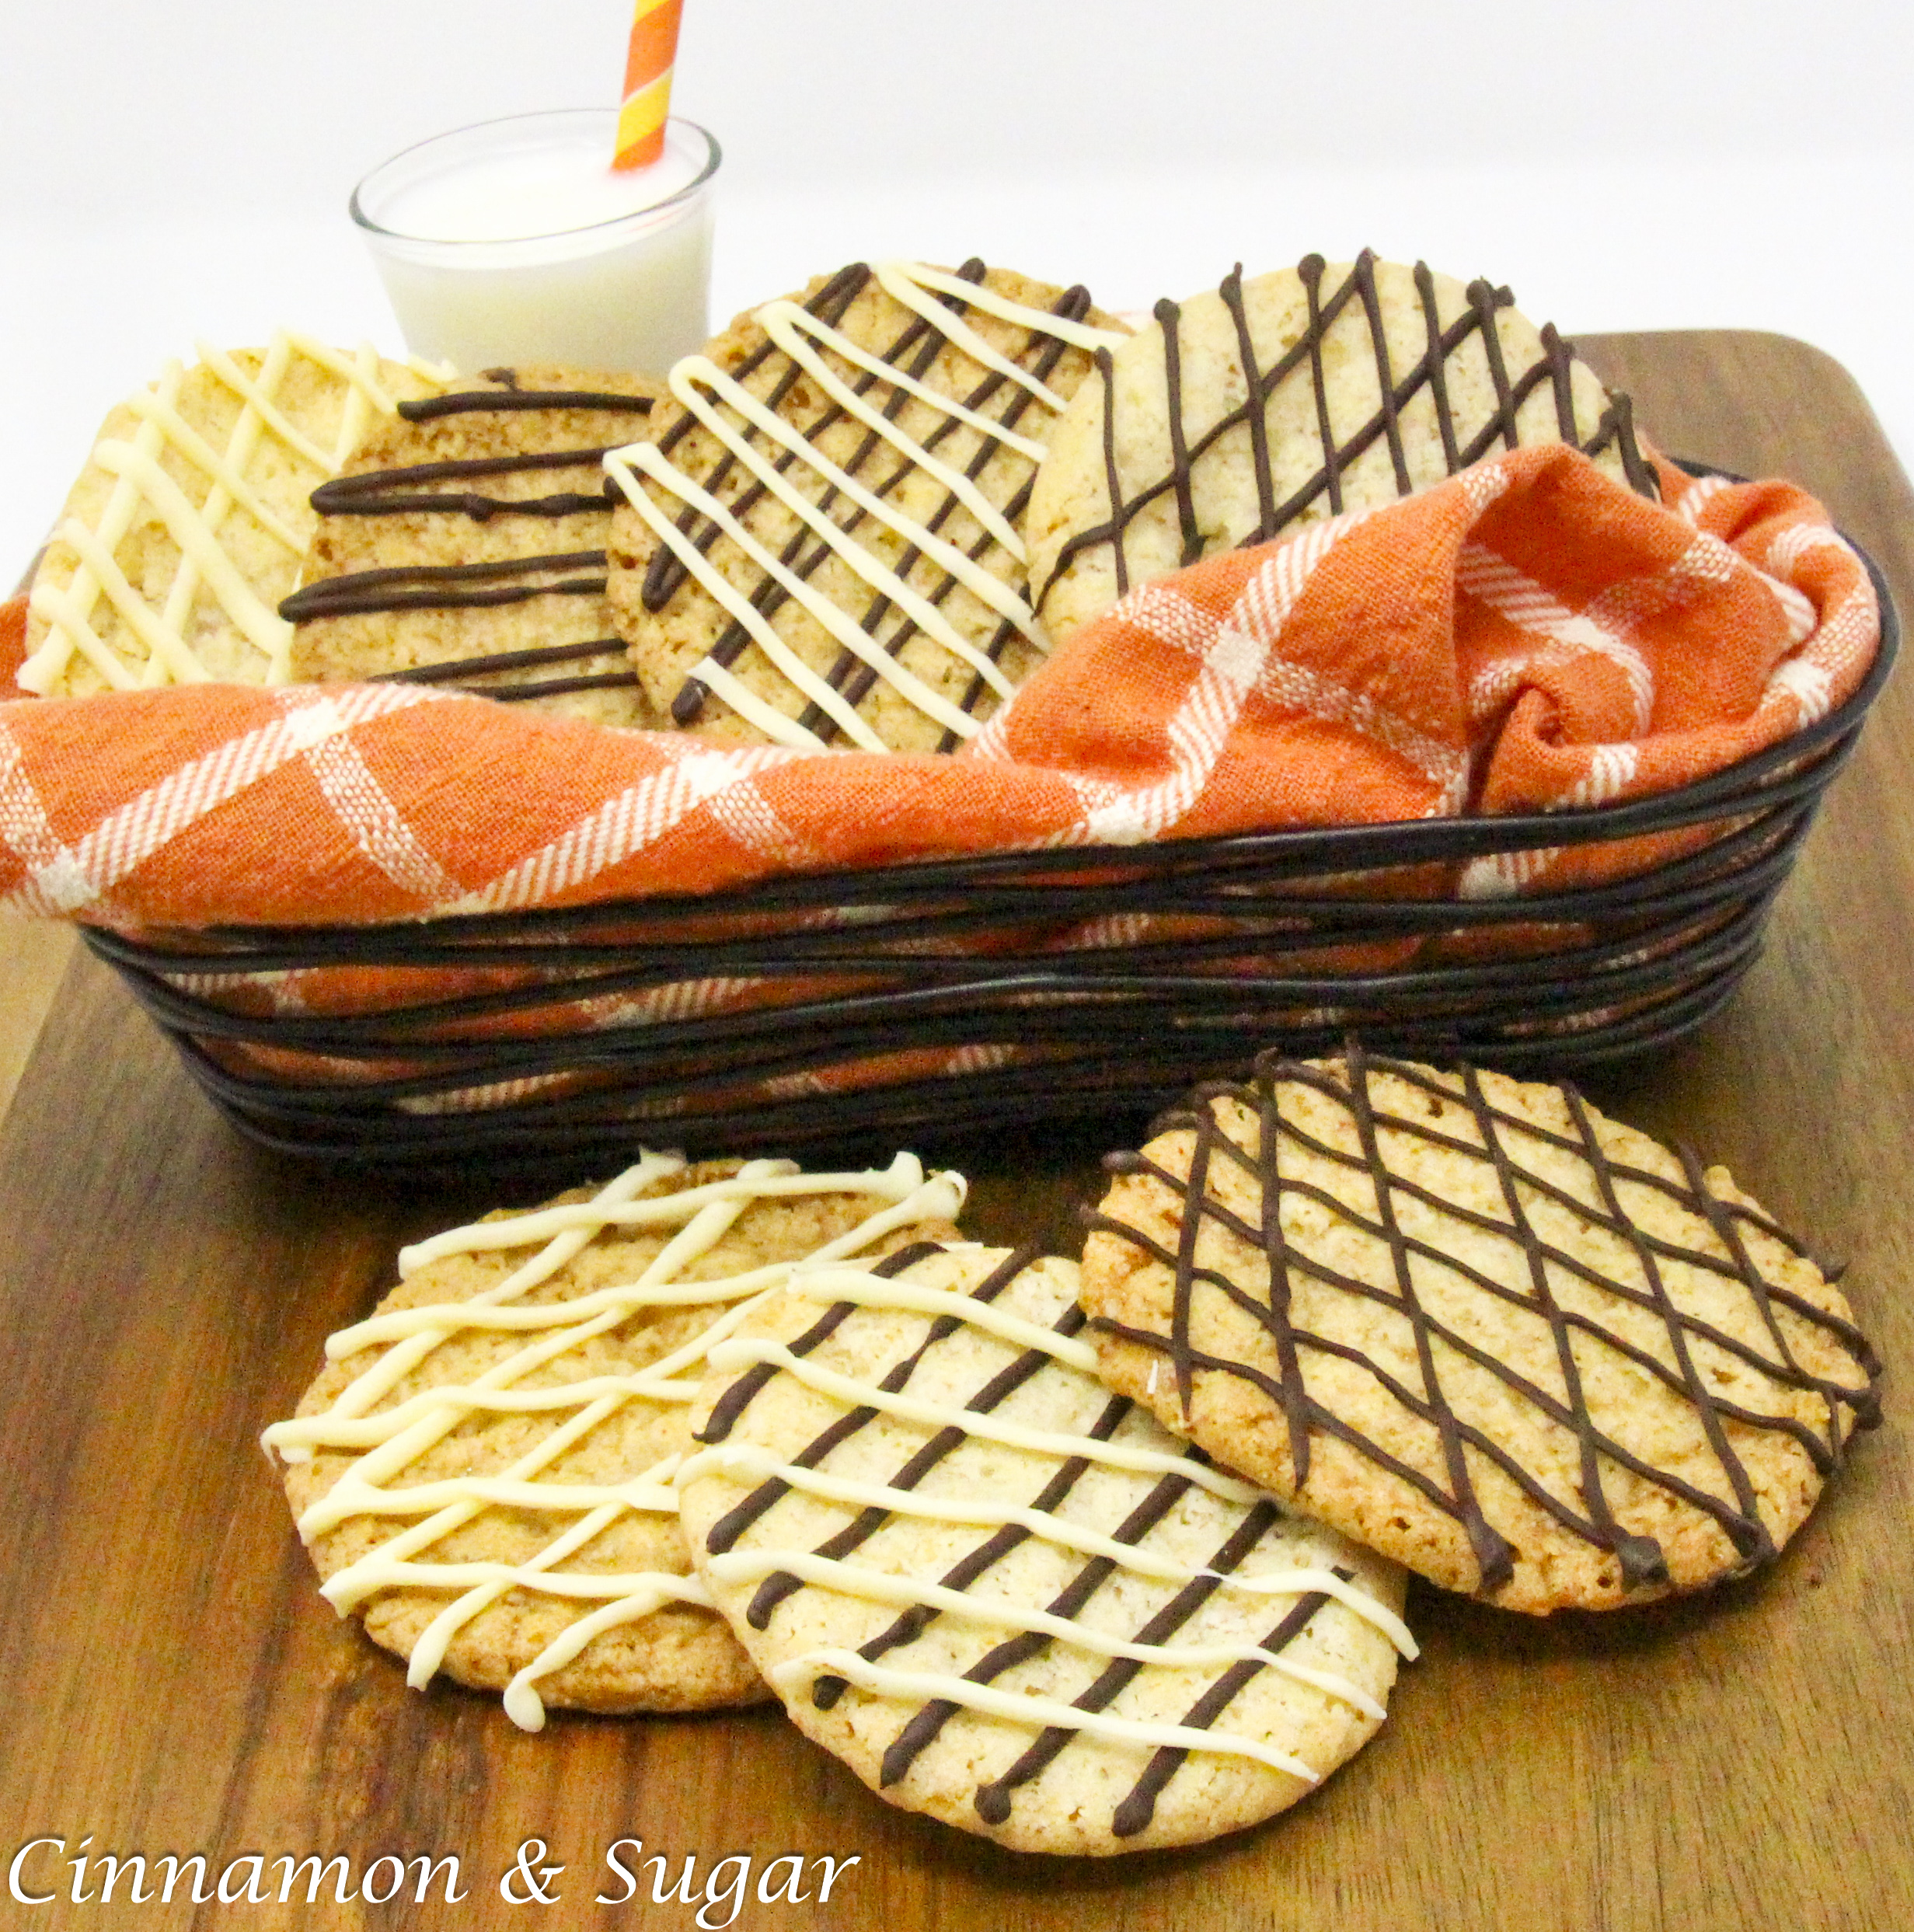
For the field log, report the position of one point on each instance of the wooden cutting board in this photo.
(171, 1683)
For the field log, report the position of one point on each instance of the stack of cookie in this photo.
(1081, 1558)
(818, 537)
(871, 508)
(862, 516)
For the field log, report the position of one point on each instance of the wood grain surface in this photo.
(170, 1681)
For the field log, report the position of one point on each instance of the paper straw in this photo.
(647, 96)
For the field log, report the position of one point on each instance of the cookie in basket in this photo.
(484, 1471)
(1004, 1595)
(1478, 1326)
(465, 545)
(822, 542)
(191, 517)
(1290, 398)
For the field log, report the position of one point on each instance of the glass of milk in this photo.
(516, 241)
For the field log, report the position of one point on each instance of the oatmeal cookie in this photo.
(191, 517)
(464, 545)
(484, 1471)
(1289, 397)
(1003, 1595)
(821, 542)
(1479, 1327)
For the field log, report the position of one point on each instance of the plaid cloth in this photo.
(1526, 636)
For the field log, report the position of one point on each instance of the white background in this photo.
(170, 173)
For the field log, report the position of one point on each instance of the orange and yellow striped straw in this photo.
(647, 83)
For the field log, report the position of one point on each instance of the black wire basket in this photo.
(912, 1002)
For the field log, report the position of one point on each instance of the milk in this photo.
(516, 241)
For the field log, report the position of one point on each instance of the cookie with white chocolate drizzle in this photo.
(464, 546)
(821, 542)
(1003, 1595)
(1290, 398)
(192, 517)
(1481, 1327)
(483, 1473)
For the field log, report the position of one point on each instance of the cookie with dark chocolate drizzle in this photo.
(1479, 1327)
(1292, 397)
(465, 547)
(1003, 1595)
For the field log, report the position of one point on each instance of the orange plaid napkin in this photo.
(1526, 636)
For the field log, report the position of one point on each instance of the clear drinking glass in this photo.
(515, 241)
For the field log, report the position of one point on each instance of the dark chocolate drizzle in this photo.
(1614, 429)
(383, 493)
(414, 490)
(1167, 314)
(993, 1799)
(1640, 1557)
(500, 401)
(460, 672)
(447, 587)
(913, 349)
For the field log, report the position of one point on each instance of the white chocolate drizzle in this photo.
(768, 1473)
(390, 1440)
(163, 625)
(731, 414)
